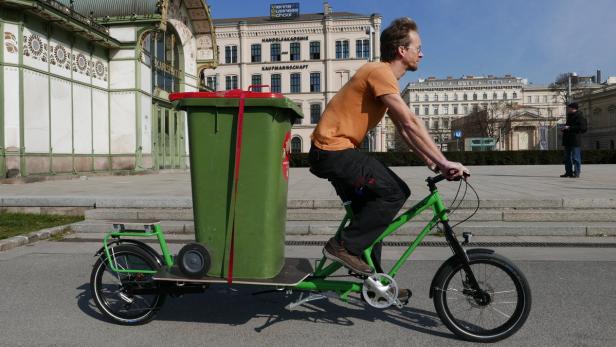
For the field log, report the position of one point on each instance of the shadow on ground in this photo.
(238, 305)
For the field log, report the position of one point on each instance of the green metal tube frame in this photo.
(318, 281)
(157, 232)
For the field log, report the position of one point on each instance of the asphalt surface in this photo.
(45, 300)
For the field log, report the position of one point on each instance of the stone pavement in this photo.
(515, 200)
(515, 182)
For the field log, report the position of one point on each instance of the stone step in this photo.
(336, 214)
(489, 228)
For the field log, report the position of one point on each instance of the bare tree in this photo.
(561, 86)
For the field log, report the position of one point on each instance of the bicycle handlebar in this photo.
(436, 179)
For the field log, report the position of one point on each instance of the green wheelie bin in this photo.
(239, 212)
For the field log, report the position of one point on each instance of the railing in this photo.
(77, 16)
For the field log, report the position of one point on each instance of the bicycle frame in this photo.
(318, 281)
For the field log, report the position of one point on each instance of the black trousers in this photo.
(376, 192)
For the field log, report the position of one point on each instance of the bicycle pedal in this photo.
(404, 297)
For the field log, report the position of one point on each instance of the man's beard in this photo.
(412, 68)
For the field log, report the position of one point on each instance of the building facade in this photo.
(599, 108)
(84, 85)
(308, 59)
(440, 102)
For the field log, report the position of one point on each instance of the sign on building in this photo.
(284, 11)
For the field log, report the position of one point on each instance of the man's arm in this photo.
(415, 134)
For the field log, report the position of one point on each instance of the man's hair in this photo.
(396, 35)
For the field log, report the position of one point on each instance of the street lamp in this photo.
(370, 33)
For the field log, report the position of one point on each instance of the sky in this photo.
(532, 39)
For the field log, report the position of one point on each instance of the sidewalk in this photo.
(597, 186)
(533, 199)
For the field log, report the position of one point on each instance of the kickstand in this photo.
(302, 300)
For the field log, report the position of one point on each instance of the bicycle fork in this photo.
(461, 255)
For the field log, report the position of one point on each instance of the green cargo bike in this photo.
(239, 154)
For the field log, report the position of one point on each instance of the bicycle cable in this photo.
(476, 209)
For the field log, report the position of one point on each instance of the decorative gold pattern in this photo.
(10, 41)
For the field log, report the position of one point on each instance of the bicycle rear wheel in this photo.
(495, 312)
(126, 298)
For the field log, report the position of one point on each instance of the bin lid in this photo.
(230, 98)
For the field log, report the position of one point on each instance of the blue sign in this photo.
(457, 134)
(284, 11)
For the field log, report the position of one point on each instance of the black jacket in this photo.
(577, 126)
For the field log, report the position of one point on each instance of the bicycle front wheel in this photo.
(495, 312)
(126, 298)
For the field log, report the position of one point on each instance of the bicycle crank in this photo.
(380, 290)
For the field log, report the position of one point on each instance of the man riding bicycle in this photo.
(376, 192)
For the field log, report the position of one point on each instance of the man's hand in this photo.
(451, 170)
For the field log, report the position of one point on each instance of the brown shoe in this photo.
(335, 251)
(404, 295)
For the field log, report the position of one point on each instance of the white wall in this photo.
(123, 132)
(11, 107)
(100, 121)
(122, 74)
(36, 112)
(61, 122)
(146, 124)
(82, 118)
(125, 34)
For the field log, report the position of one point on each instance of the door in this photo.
(522, 140)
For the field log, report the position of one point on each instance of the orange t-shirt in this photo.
(356, 108)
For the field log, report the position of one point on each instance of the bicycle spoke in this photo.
(499, 311)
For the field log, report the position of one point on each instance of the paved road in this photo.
(44, 300)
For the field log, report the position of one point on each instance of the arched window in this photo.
(485, 96)
(161, 51)
(504, 95)
(474, 96)
(296, 144)
(435, 97)
(464, 97)
(494, 96)
(515, 96)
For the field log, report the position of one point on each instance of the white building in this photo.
(440, 101)
(84, 84)
(308, 58)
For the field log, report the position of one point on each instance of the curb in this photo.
(16, 241)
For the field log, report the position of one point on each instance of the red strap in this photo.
(236, 178)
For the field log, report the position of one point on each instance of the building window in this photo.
(162, 52)
(275, 85)
(446, 125)
(298, 120)
(255, 53)
(536, 99)
(230, 82)
(485, 96)
(416, 97)
(230, 54)
(435, 97)
(455, 96)
(474, 96)
(515, 96)
(494, 96)
(296, 144)
(427, 121)
(362, 49)
(315, 82)
(446, 97)
(446, 109)
(464, 97)
(295, 51)
(256, 80)
(315, 113)
(296, 82)
(455, 109)
(611, 144)
(426, 98)
(436, 111)
(416, 110)
(435, 124)
(315, 50)
(504, 95)
(426, 111)
(211, 82)
(275, 52)
(342, 49)
(529, 99)
(465, 109)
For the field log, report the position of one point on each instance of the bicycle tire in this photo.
(447, 293)
(117, 306)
